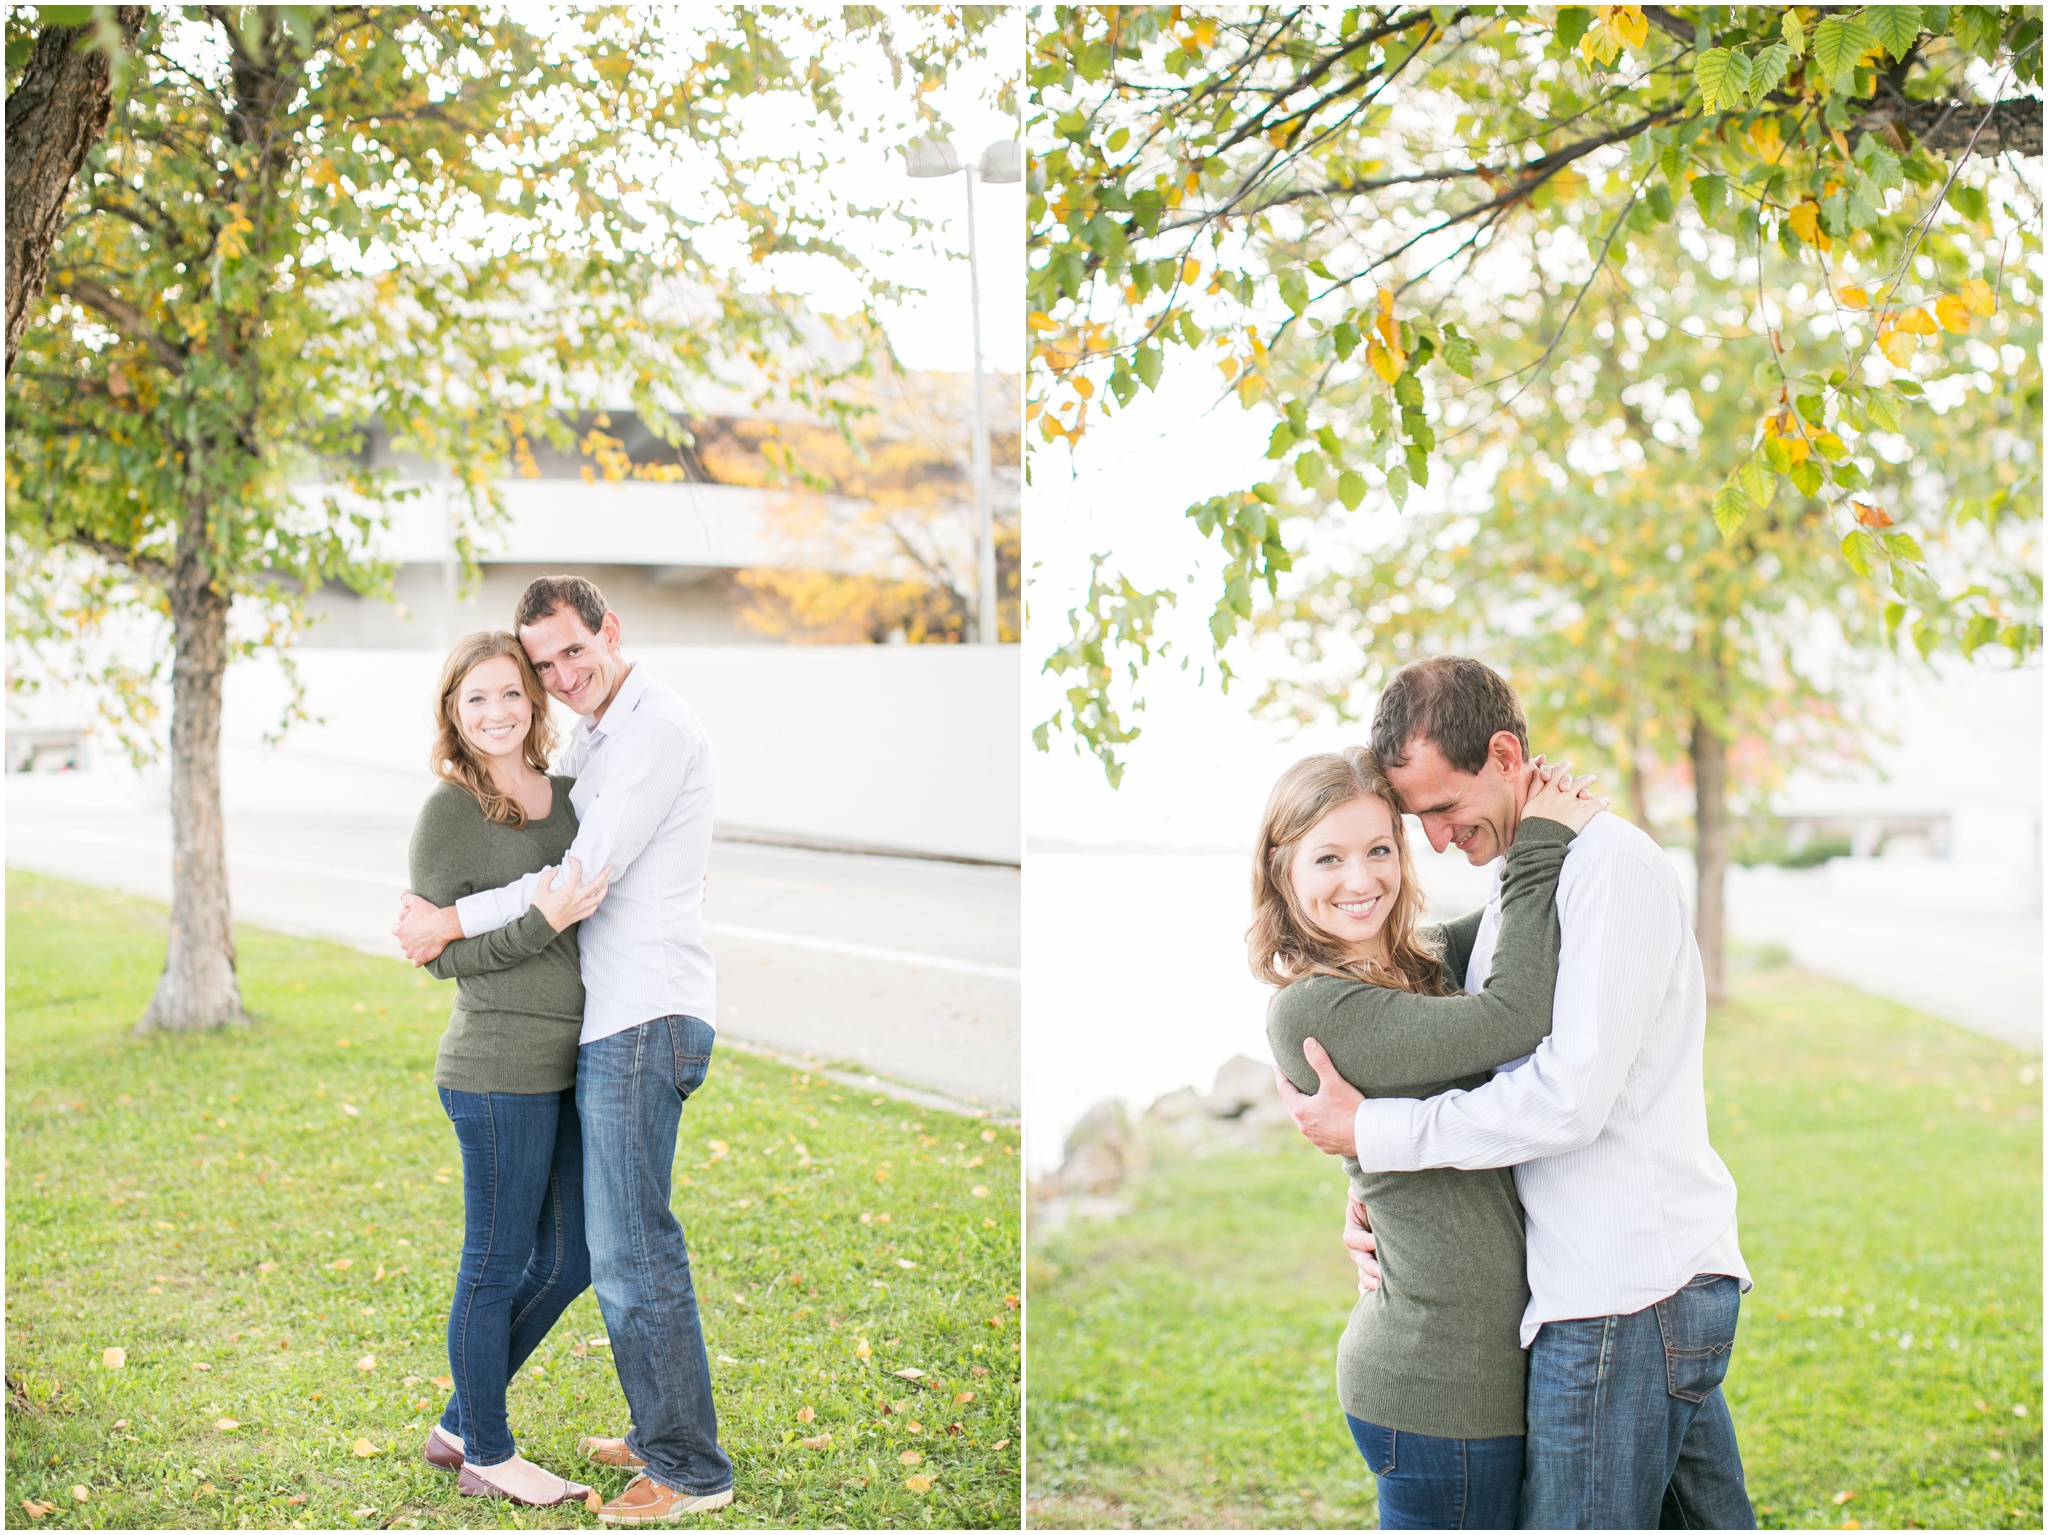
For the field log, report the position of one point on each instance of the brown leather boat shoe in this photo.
(646, 1501)
(610, 1452)
(442, 1449)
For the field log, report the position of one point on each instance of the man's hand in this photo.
(424, 929)
(1363, 1244)
(1326, 1119)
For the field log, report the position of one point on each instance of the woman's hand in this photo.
(1561, 797)
(573, 902)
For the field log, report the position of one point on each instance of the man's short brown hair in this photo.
(1457, 703)
(542, 597)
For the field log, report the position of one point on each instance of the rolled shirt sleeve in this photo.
(1621, 935)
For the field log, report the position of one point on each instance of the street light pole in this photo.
(1001, 162)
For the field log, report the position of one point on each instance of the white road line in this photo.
(396, 882)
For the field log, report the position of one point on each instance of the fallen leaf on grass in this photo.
(905, 1263)
(918, 1483)
(297, 1497)
(352, 1111)
(1012, 1302)
(914, 1426)
(578, 1350)
(1842, 1497)
(367, 1362)
(442, 1382)
(913, 1373)
(120, 1423)
(341, 1263)
(910, 1458)
(862, 1351)
(365, 1513)
(227, 1425)
(963, 1397)
(364, 1449)
(980, 1191)
(727, 1359)
(593, 1500)
(600, 1343)
(201, 1364)
(822, 1442)
(37, 1510)
(956, 1429)
(806, 1414)
(977, 1369)
(378, 1275)
(155, 1289)
(1002, 1444)
(80, 1492)
(265, 1267)
(114, 1358)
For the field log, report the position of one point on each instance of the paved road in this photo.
(902, 967)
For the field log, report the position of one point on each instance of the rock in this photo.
(1242, 1085)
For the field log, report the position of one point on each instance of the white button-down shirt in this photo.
(643, 806)
(1605, 1124)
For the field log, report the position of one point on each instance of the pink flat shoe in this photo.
(519, 1481)
(442, 1449)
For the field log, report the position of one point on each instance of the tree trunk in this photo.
(55, 115)
(198, 989)
(1710, 798)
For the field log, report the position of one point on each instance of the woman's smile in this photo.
(1346, 872)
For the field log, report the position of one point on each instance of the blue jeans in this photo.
(523, 1257)
(1427, 1483)
(1628, 1429)
(630, 1088)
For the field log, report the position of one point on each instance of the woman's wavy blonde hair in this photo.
(453, 759)
(1284, 944)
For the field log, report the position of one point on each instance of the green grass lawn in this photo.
(1888, 1368)
(267, 1221)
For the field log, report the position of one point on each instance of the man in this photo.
(643, 802)
(1635, 1275)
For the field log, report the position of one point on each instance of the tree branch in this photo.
(1948, 126)
(124, 315)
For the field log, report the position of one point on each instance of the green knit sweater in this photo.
(1437, 1348)
(519, 990)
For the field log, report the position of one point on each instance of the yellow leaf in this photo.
(114, 1358)
(364, 1449)
(80, 1491)
(593, 1500)
(1251, 388)
(1978, 295)
(918, 1483)
(822, 1442)
(36, 1510)
(911, 1458)
(1389, 332)
(1953, 313)
(963, 1397)
(227, 1425)
(367, 1362)
(1805, 219)
(1190, 269)
(341, 1263)
(1386, 362)
(1387, 302)
(806, 1413)
(1918, 321)
(1853, 297)
(980, 1191)
(1084, 387)
(1898, 347)
(1041, 321)
(1628, 23)
(1227, 367)
(862, 1351)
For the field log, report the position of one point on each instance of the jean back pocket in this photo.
(692, 1039)
(1376, 1444)
(1698, 1329)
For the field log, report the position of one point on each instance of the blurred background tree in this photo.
(303, 221)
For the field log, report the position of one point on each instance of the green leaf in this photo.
(1884, 410)
(1459, 351)
(1731, 507)
(1572, 22)
(1347, 339)
(1896, 26)
(1758, 483)
(1659, 198)
(1896, 611)
(1795, 34)
(1861, 551)
(1807, 477)
(1148, 362)
(1322, 271)
(1351, 489)
(1904, 546)
(1778, 455)
(1121, 384)
(1722, 76)
(1848, 476)
(1267, 492)
(1840, 41)
(1283, 438)
(1117, 140)
(1294, 290)
(1308, 469)
(1418, 464)
(1397, 485)
(1770, 66)
(1969, 201)
(1711, 193)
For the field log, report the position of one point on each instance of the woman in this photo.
(507, 1064)
(1430, 1370)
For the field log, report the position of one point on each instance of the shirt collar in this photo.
(623, 704)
